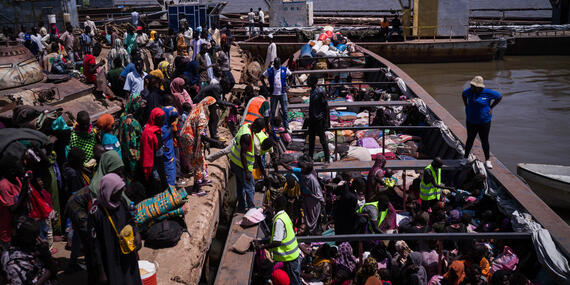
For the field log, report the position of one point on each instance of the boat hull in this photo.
(554, 192)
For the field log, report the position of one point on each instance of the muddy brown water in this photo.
(532, 123)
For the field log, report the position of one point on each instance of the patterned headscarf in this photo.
(369, 268)
(201, 111)
(345, 257)
(163, 66)
(134, 103)
(158, 74)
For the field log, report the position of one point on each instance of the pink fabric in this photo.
(8, 197)
(179, 93)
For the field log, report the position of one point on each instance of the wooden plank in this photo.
(236, 268)
(356, 165)
(348, 83)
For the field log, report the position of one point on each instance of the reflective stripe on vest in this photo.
(429, 191)
(252, 110)
(236, 148)
(289, 248)
(383, 214)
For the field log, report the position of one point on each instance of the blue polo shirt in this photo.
(478, 105)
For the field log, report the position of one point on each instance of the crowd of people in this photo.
(97, 183)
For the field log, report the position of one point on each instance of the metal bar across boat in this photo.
(358, 128)
(339, 104)
(416, 236)
(346, 70)
(356, 165)
(348, 83)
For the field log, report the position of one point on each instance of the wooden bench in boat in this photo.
(340, 104)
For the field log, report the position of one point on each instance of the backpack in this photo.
(165, 233)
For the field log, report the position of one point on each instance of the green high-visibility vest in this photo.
(382, 214)
(427, 190)
(262, 136)
(235, 154)
(289, 248)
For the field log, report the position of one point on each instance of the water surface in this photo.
(532, 123)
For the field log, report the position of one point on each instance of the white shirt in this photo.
(279, 232)
(188, 36)
(277, 82)
(135, 18)
(261, 17)
(38, 40)
(251, 17)
(91, 25)
(133, 83)
(271, 55)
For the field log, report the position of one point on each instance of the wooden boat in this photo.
(443, 136)
(550, 182)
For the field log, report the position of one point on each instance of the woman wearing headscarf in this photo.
(345, 263)
(414, 273)
(191, 135)
(169, 131)
(163, 66)
(181, 47)
(455, 275)
(367, 270)
(118, 51)
(108, 139)
(158, 74)
(130, 132)
(375, 176)
(179, 93)
(151, 153)
(108, 216)
(110, 162)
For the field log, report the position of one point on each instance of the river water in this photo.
(532, 122)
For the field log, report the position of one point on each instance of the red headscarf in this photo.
(149, 141)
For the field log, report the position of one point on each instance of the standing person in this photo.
(202, 59)
(114, 77)
(134, 82)
(90, 67)
(154, 45)
(271, 52)
(319, 119)
(217, 91)
(396, 28)
(257, 107)
(251, 21)
(277, 76)
(85, 41)
(130, 132)
(261, 20)
(312, 194)
(180, 94)
(170, 42)
(241, 163)
(108, 216)
(191, 139)
(67, 40)
(223, 61)
(384, 27)
(375, 175)
(430, 185)
(479, 103)
(135, 18)
(83, 136)
(110, 162)
(130, 39)
(91, 25)
(37, 38)
(181, 46)
(188, 33)
(108, 139)
(168, 136)
(151, 153)
(283, 242)
(118, 51)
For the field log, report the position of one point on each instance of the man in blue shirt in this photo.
(479, 103)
